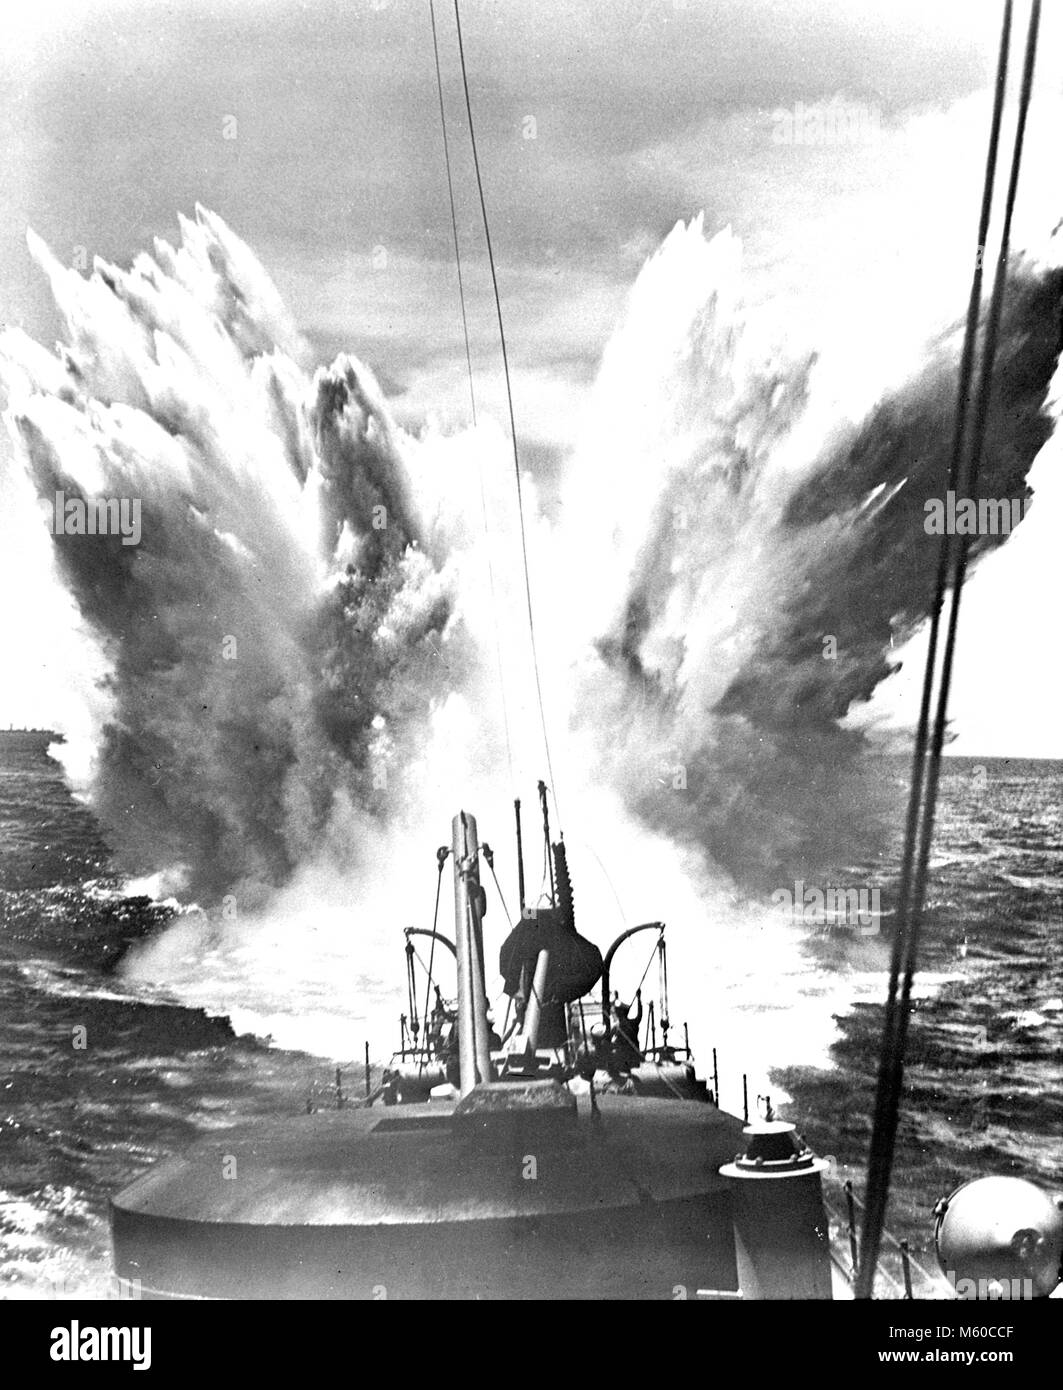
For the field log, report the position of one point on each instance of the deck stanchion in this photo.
(853, 1248)
(906, 1266)
(715, 1080)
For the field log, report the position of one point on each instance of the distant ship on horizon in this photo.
(30, 738)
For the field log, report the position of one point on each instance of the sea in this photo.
(101, 1076)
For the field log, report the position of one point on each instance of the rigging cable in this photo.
(509, 401)
(501, 896)
(926, 768)
(901, 947)
(653, 952)
(441, 859)
(472, 389)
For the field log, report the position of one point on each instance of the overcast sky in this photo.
(644, 111)
(601, 122)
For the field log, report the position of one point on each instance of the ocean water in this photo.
(984, 1063)
(100, 1077)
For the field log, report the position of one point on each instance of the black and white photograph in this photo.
(531, 745)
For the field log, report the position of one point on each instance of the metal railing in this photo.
(897, 1273)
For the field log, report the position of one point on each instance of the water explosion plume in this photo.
(299, 617)
(280, 599)
(759, 584)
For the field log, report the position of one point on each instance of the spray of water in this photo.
(303, 653)
(757, 576)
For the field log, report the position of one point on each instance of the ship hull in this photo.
(403, 1203)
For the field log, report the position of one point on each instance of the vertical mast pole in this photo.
(520, 856)
(474, 1054)
(546, 837)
